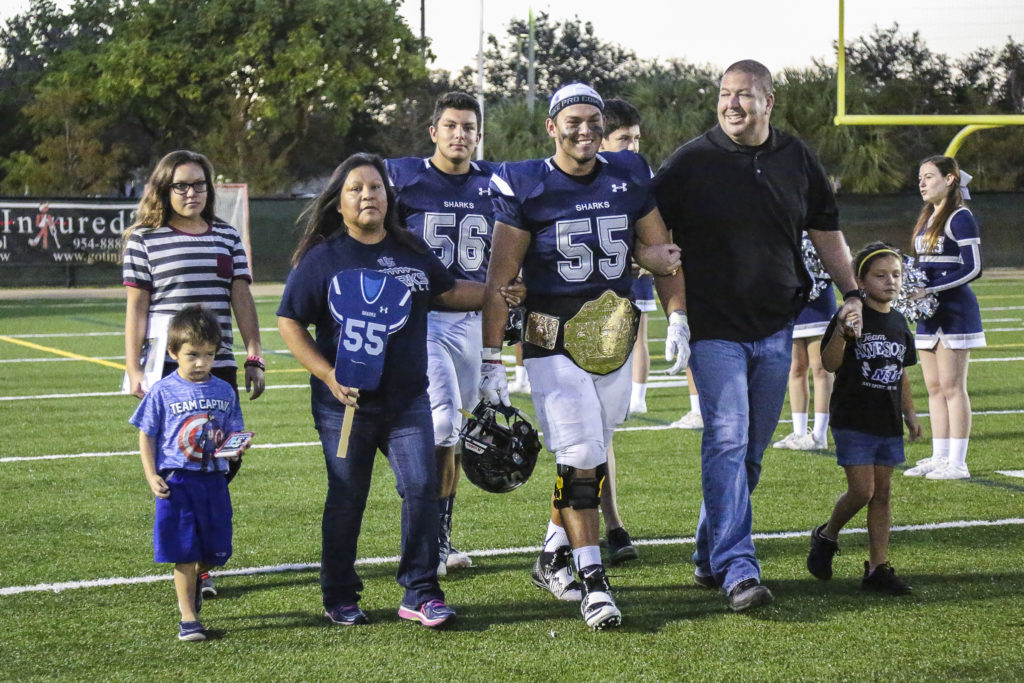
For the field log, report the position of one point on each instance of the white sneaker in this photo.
(807, 442)
(519, 387)
(924, 466)
(691, 420)
(598, 607)
(553, 572)
(790, 442)
(950, 471)
(638, 407)
(458, 560)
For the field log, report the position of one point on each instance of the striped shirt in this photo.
(179, 269)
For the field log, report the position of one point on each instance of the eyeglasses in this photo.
(199, 187)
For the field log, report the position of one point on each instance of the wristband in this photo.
(677, 317)
(255, 362)
(491, 354)
(854, 294)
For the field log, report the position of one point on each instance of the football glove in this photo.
(677, 341)
(494, 383)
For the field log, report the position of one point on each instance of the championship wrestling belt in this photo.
(598, 338)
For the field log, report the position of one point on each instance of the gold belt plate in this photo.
(541, 330)
(601, 335)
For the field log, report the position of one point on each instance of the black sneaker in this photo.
(884, 580)
(819, 560)
(347, 614)
(553, 572)
(748, 594)
(598, 607)
(704, 580)
(620, 546)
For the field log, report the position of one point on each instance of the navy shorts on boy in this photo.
(194, 523)
(866, 404)
(188, 420)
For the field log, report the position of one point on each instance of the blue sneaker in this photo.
(433, 613)
(191, 630)
(347, 614)
(209, 589)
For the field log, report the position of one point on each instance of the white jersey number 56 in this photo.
(470, 243)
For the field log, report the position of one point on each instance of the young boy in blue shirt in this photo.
(182, 420)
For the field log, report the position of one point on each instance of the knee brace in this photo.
(579, 493)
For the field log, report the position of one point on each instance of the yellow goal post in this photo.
(970, 122)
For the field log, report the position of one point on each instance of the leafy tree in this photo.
(71, 159)
(564, 52)
(28, 43)
(259, 86)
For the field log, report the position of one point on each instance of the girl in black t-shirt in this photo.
(870, 401)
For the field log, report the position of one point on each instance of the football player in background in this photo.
(572, 222)
(445, 199)
(622, 132)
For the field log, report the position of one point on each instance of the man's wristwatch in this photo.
(854, 294)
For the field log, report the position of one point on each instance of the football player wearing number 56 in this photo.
(572, 222)
(354, 224)
(445, 199)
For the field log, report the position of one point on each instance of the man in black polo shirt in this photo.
(736, 199)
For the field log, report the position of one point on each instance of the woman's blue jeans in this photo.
(406, 438)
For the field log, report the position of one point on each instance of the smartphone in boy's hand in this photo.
(234, 445)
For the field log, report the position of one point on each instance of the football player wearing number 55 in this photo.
(353, 224)
(572, 222)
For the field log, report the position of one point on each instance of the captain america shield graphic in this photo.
(199, 433)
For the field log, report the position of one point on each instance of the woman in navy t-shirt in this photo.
(353, 224)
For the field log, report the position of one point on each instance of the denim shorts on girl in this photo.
(859, 448)
(194, 523)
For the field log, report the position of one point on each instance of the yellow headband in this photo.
(860, 270)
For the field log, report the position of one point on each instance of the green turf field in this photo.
(71, 522)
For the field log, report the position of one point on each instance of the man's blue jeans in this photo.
(407, 440)
(742, 386)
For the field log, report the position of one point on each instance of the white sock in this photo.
(940, 450)
(695, 403)
(799, 423)
(820, 427)
(586, 556)
(520, 374)
(555, 539)
(958, 452)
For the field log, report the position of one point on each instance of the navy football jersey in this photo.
(452, 213)
(581, 227)
(369, 306)
(305, 300)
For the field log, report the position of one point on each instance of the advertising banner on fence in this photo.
(73, 232)
(62, 232)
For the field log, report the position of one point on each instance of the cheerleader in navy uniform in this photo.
(807, 333)
(948, 246)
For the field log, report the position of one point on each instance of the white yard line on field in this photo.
(492, 552)
(306, 444)
(118, 393)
